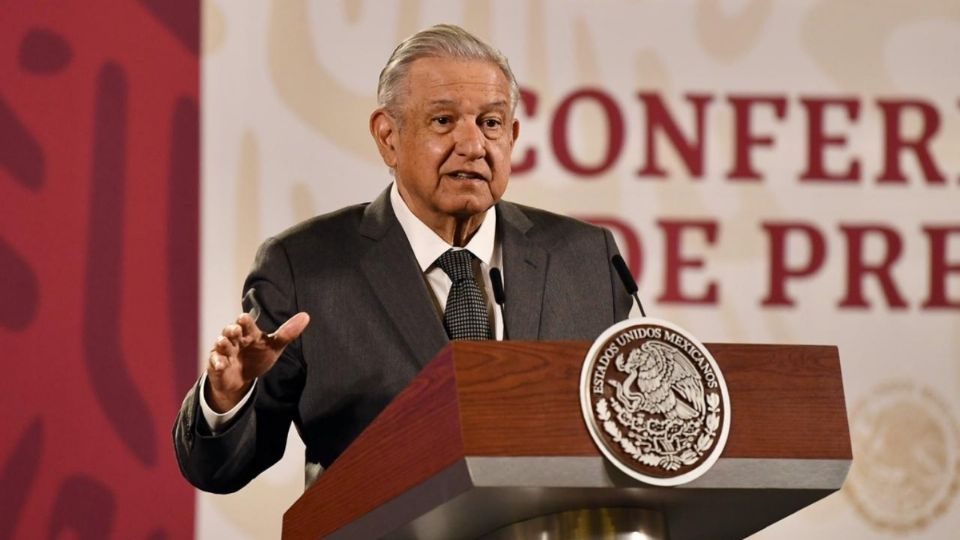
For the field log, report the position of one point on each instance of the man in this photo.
(356, 302)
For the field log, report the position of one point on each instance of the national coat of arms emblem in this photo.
(655, 401)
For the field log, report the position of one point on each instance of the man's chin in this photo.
(470, 206)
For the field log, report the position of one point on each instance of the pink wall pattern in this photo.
(99, 176)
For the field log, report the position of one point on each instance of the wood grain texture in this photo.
(522, 399)
(416, 437)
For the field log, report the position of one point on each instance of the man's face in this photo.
(451, 145)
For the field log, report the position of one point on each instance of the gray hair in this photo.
(440, 41)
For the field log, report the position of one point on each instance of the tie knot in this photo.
(458, 264)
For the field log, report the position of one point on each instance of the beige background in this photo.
(288, 86)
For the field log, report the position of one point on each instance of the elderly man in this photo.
(354, 303)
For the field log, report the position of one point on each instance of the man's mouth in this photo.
(466, 175)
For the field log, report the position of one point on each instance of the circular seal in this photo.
(654, 401)
(906, 457)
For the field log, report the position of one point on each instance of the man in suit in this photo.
(354, 303)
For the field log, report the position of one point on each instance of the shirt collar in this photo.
(427, 245)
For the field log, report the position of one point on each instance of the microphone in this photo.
(628, 283)
(496, 280)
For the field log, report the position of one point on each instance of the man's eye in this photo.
(491, 122)
(441, 120)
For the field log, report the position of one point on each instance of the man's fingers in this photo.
(246, 323)
(289, 330)
(225, 347)
(232, 332)
(248, 330)
(217, 361)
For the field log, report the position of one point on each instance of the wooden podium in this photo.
(491, 433)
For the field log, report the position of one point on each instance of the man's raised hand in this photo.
(242, 353)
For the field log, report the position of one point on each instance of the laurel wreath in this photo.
(638, 443)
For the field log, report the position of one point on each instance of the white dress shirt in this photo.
(427, 247)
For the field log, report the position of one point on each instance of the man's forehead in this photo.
(438, 74)
(441, 103)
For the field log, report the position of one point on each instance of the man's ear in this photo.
(516, 131)
(383, 128)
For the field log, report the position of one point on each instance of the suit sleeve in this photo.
(256, 437)
(622, 302)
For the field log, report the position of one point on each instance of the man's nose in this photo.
(470, 141)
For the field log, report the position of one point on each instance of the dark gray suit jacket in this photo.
(374, 326)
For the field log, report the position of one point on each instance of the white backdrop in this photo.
(870, 263)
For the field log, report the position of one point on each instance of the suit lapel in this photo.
(394, 275)
(525, 271)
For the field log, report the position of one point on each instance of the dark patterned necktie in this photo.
(465, 315)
